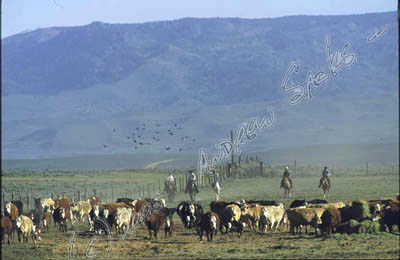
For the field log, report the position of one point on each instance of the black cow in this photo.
(263, 202)
(59, 217)
(298, 203)
(317, 201)
(126, 201)
(189, 213)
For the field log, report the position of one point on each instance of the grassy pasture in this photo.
(184, 243)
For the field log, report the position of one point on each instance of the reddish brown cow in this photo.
(47, 219)
(64, 202)
(6, 228)
(154, 221)
(209, 222)
(331, 218)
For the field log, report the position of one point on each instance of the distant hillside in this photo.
(74, 91)
(355, 155)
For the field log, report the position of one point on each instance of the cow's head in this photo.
(213, 223)
(19, 221)
(191, 209)
(96, 210)
(106, 213)
(62, 213)
(8, 208)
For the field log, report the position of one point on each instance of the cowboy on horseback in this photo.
(169, 182)
(286, 174)
(170, 179)
(191, 180)
(325, 174)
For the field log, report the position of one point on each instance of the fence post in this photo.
(52, 196)
(85, 193)
(367, 168)
(27, 202)
(106, 198)
(261, 169)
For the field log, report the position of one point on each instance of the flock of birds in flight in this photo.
(139, 140)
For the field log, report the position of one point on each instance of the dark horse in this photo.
(286, 187)
(170, 189)
(191, 188)
(325, 186)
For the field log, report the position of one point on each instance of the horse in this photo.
(325, 186)
(217, 190)
(286, 187)
(192, 190)
(170, 188)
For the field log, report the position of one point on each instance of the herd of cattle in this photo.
(235, 216)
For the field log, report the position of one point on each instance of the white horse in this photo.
(217, 190)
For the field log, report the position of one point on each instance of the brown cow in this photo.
(154, 221)
(331, 218)
(6, 228)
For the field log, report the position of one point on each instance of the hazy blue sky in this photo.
(21, 15)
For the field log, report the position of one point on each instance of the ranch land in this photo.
(348, 184)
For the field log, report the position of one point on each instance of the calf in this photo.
(47, 217)
(331, 218)
(59, 218)
(208, 223)
(6, 228)
(26, 227)
(154, 221)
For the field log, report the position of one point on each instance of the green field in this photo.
(347, 185)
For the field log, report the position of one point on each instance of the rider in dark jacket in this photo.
(325, 174)
(286, 173)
